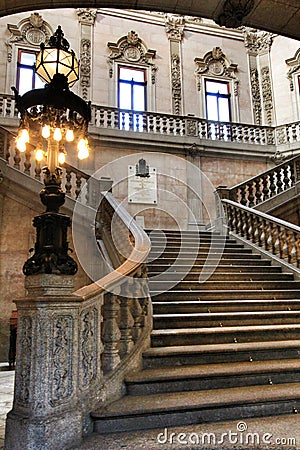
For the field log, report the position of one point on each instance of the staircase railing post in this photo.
(222, 192)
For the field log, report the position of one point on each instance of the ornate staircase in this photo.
(224, 347)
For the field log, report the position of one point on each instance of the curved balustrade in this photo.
(277, 236)
(267, 184)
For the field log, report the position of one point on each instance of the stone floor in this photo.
(280, 433)
(7, 378)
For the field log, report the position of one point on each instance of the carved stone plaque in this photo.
(142, 189)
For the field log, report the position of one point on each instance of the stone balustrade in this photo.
(171, 125)
(267, 184)
(276, 236)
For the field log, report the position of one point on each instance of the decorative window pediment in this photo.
(131, 49)
(215, 64)
(30, 32)
(294, 68)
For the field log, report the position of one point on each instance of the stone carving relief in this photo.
(257, 42)
(61, 383)
(256, 97)
(88, 346)
(216, 64)
(131, 49)
(233, 13)
(267, 93)
(86, 16)
(174, 26)
(85, 66)
(30, 32)
(294, 68)
(176, 83)
(23, 375)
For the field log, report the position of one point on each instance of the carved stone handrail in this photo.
(267, 184)
(276, 236)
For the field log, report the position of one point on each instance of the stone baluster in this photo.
(126, 321)
(252, 135)
(294, 133)
(246, 134)
(178, 128)
(243, 194)
(221, 132)
(157, 124)
(257, 191)
(111, 333)
(8, 107)
(68, 185)
(116, 119)
(17, 159)
(279, 180)
(37, 170)
(251, 196)
(78, 185)
(204, 129)
(102, 117)
(144, 117)
(151, 123)
(265, 184)
(272, 186)
(123, 120)
(164, 125)
(286, 176)
(27, 162)
(171, 125)
(108, 118)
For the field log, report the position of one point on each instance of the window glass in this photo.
(27, 79)
(217, 100)
(132, 95)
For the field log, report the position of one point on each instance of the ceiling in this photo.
(278, 16)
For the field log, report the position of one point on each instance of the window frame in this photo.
(132, 83)
(217, 95)
(25, 66)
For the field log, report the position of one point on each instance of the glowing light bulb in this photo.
(21, 145)
(83, 153)
(69, 135)
(39, 154)
(83, 149)
(57, 136)
(46, 131)
(61, 158)
(24, 135)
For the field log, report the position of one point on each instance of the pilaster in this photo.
(174, 26)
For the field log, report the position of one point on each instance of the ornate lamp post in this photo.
(50, 117)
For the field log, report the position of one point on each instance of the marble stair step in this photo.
(212, 376)
(220, 276)
(229, 318)
(182, 408)
(226, 334)
(180, 355)
(229, 294)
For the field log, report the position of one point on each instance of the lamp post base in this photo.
(51, 248)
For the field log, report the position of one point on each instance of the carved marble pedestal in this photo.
(58, 364)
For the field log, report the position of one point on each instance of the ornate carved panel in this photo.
(131, 49)
(89, 341)
(30, 32)
(86, 16)
(62, 352)
(176, 83)
(257, 42)
(85, 66)
(23, 375)
(216, 64)
(174, 26)
(267, 93)
(256, 97)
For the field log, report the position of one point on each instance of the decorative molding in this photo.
(193, 150)
(267, 93)
(176, 84)
(131, 49)
(86, 16)
(256, 95)
(85, 66)
(294, 68)
(234, 12)
(23, 374)
(31, 31)
(174, 26)
(62, 367)
(216, 64)
(257, 42)
(89, 341)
